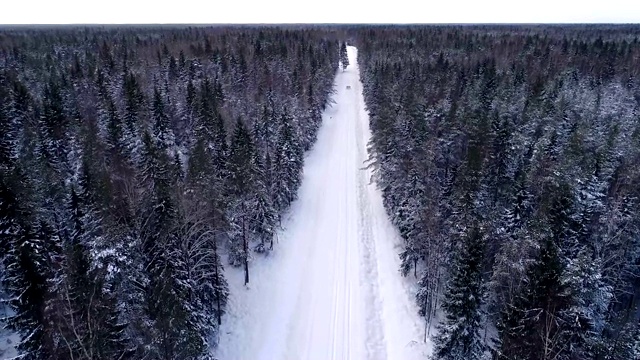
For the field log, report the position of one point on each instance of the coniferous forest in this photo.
(131, 159)
(138, 164)
(509, 160)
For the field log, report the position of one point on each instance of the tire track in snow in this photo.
(398, 310)
(376, 348)
(331, 288)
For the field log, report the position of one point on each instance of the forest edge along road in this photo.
(332, 289)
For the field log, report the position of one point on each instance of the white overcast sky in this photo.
(317, 11)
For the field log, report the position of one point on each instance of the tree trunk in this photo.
(245, 248)
(215, 254)
(427, 315)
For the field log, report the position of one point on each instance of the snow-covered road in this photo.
(331, 289)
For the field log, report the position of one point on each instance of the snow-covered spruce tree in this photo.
(289, 158)
(52, 153)
(533, 324)
(459, 335)
(161, 131)
(512, 260)
(85, 309)
(201, 226)
(134, 100)
(590, 294)
(617, 338)
(174, 331)
(344, 57)
(29, 246)
(530, 326)
(26, 271)
(7, 124)
(200, 266)
(115, 137)
(242, 182)
(207, 165)
(53, 127)
(264, 219)
(211, 124)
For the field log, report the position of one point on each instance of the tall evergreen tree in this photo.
(162, 133)
(344, 57)
(263, 223)
(459, 335)
(534, 324)
(174, 329)
(242, 170)
(288, 156)
(26, 273)
(89, 321)
(7, 131)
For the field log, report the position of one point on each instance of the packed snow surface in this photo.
(331, 289)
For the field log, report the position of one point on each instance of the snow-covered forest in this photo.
(509, 159)
(131, 161)
(143, 167)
